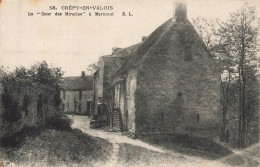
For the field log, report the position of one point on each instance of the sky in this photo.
(73, 42)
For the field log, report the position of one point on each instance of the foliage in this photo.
(234, 44)
(57, 99)
(206, 29)
(240, 33)
(14, 83)
(12, 112)
(42, 73)
(49, 147)
(59, 122)
(92, 68)
(17, 139)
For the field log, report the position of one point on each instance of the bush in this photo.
(48, 147)
(17, 139)
(11, 109)
(57, 99)
(59, 122)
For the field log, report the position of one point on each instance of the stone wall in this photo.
(111, 65)
(127, 99)
(107, 67)
(98, 85)
(72, 103)
(173, 94)
(130, 100)
(33, 111)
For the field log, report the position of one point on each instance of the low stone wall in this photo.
(33, 105)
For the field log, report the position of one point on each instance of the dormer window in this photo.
(188, 53)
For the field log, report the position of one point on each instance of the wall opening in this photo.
(188, 53)
(63, 107)
(39, 104)
(89, 107)
(79, 108)
(26, 103)
(179, 105)
(64, 95)
(75, 106)
(162, 116)
(198, 118)
(80, 95)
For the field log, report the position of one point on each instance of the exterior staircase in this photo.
(117, 120)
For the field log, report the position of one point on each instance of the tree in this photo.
(240, 34)
(46, 75)
(92, 68)
(13, 84)
(234, 43)
(208, 31)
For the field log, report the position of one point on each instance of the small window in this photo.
(80, 95)
(63, 107)
(179, 94)
(68, 104)
(162, 116)
(64, 95)
(198, 118)
(79, 108)
(188, 54)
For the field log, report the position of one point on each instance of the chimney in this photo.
(143, 38)
(180, 12)
(114, 49)
(83, 74)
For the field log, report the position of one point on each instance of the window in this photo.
(179, 105)
(64, 95)
(79, 108)
(75, 105)
(188, 54)
(162, 116)
(89, 106)
(68, 104)
(63, 107)
(80, 95)
(198, 118)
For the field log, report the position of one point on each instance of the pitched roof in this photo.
(157, 40)
(144, 47)
(76, 83)
(125, 51)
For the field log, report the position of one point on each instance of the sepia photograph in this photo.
(129, 83)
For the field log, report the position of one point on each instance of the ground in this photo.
(59, 145)
(134, 152)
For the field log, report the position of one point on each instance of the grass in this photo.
(134, 156)
(54, 145)
(190, 145)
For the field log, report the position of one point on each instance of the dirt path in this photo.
(133, 152)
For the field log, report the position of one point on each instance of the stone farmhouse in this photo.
(77, 94)
(167, 83)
